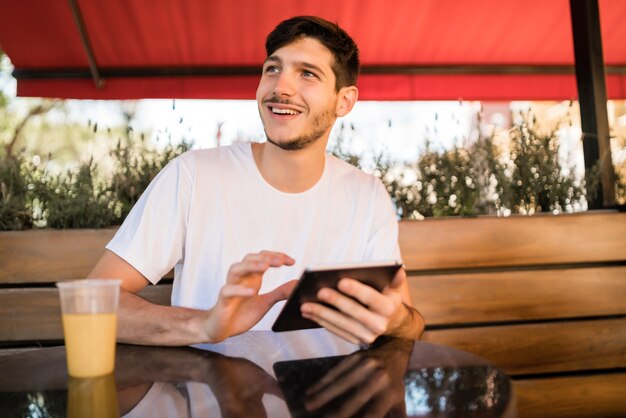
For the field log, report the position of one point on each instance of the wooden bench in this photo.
(31, 262)
(542, 297)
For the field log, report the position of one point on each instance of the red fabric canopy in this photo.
(191, 34)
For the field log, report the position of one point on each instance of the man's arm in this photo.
(238, 308)
(389, 312)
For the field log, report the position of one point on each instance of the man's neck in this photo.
(290, 171)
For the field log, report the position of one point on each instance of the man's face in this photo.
(296, 95)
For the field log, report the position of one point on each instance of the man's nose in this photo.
(285, 85)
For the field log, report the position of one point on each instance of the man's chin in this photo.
(296, 144)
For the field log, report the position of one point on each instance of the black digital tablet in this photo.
(377, 275)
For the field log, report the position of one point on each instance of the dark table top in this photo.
(301, 374)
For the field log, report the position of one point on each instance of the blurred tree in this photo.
(539, 180)
(75, 199)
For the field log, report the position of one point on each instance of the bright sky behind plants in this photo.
(399, 129)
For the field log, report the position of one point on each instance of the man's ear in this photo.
(347, 98)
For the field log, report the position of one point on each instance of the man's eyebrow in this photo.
(272, 58)
(304, 64)
(312, 67)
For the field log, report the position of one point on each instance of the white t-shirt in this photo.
(209, 208)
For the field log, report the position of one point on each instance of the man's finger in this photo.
(338, 323)
(247, 267)
(384, 304)
(236, 290)
(370, 318)
(335, 330)
(259, 263)
(282, 292)
(278, 257)
(398, 280)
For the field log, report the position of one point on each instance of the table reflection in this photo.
(262, 374)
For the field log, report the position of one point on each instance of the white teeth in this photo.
(284, 111)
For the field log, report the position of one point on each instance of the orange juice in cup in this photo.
(90, 343)
(89, 311)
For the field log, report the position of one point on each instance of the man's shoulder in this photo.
(238, 148)
(344, 171)
(211, 157)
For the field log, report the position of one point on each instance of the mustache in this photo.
(278, 100)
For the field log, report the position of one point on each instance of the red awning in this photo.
(410, 49)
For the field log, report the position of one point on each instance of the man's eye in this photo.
(271, 69)
(309, 74)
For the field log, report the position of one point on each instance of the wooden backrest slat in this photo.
(435, 244)
(35, 314)
(47, 256)
(543, 348)
(520, 295)
(591, 396)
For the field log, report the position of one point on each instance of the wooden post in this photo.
(590, 77)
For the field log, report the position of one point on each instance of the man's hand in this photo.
(240, 306)
(378, 313)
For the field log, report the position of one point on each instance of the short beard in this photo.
(320, 126)
(296, 144)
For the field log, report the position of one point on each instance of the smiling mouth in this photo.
(278, 111)
(282, 108)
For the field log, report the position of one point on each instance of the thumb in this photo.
(398, 280)
(282, 292)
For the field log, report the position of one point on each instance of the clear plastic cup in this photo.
(89, 311)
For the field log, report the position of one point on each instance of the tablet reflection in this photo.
(380, 382)
(367, 382)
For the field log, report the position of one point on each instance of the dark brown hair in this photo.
(340, 44)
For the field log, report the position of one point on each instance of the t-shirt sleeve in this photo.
(152, 237)
(383, 239)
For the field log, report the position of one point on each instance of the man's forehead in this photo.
(305, 50)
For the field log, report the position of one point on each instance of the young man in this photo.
(239, 223)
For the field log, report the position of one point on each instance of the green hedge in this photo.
(464, 181)
(482, 179)
(78, 198)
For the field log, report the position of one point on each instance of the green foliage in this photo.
(539, 181)
(448, 183)
(136, 166)
(491, 176)
(14, 211)
(78, 198)
(481, 179)
(457, 182)
(621, 188)
(5, 67)
(75, 199)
